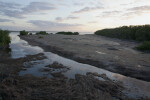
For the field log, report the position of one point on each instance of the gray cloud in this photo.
(4, 5)
(72, 17)
(37, 7)
(78, 4)
(136, 11)
(59, 19)
(50, 24)
(5, 20)
(141, 8)
(87, 9)
(107, 14)
(126, 14)
(14, 28)
(15, 10)
(92, 22)
(111, 13)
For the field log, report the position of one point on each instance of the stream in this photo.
(19, 48)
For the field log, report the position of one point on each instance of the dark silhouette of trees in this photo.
(138, 33)
(24, 32)
(68, 33)
(42, 33)
(4, 39)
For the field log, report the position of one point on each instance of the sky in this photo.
(72, 15)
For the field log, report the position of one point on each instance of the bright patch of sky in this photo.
(72, 15)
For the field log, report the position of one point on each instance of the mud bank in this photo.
(81, 88)
(92, 86)
(11, 67)
(111, 54)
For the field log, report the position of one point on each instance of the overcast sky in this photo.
(72, 15)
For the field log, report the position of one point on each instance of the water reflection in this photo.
(35, 67)
(21, 48)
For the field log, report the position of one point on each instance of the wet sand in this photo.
(115, 55)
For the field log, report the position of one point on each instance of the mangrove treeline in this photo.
(4, 39)
(45, 33)
(138, 33)
(68, 33)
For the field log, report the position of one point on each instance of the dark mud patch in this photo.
(9, 66)
(57, 74)
(55, 69)
(45, 70)
(112, 48)
(56, 65)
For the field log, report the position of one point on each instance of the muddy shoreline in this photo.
(115, 67)
(90, 86)
(28, 87)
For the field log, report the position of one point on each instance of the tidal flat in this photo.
(81, 67)
(119, 56)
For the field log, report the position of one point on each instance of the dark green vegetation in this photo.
(145, 46)
(42, 33)
(24, 32)
(138, 33)
(40, 37)
(4, 39)
(68, 33)
(0, 97)
(30, 33)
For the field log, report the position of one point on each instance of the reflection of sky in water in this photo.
(35, 68)
(20, 48)
(135, 87)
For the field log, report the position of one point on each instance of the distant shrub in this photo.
(1, 98)
(4, 39)
(145, 46)
(138, 33)
(30, 33)
(42, 33)
(24, 32)
(68, 33)
(40, 37)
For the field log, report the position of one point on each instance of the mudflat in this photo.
(28, 87)
(112, 54)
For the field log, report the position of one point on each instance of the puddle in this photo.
(20, 48)
(100, 52)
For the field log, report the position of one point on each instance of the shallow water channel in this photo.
(134, 88)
